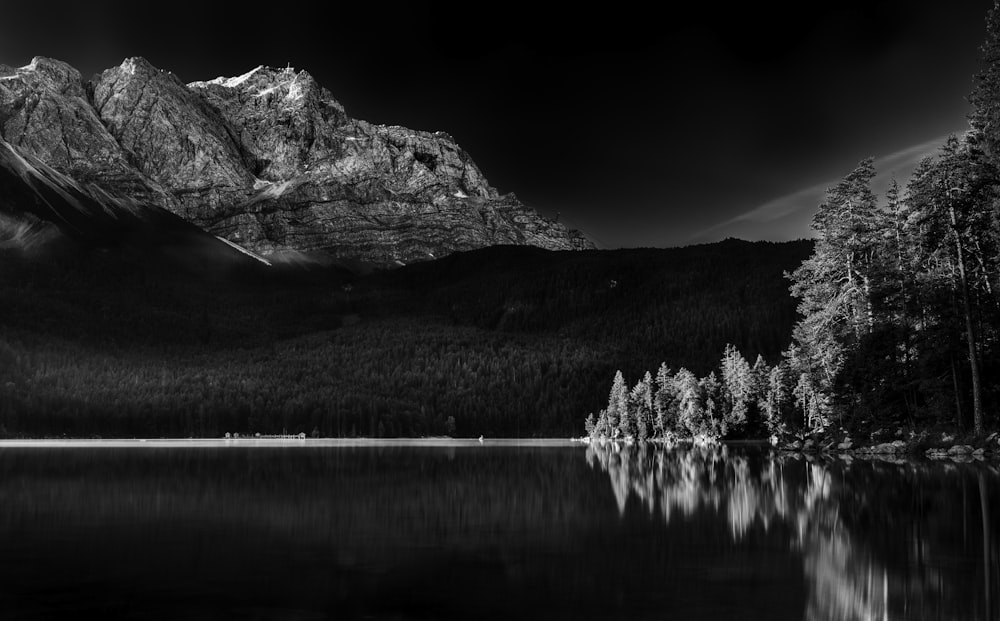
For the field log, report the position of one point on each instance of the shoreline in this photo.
(283, 442)
(887, 452)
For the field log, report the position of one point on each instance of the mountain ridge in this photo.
(268, 160)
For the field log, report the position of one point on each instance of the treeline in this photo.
(899, 305)
(738, 400)
(114, 343)
(899, 302)
(380, 378)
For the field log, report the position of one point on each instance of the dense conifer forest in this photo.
(899, 310)
(505, 341)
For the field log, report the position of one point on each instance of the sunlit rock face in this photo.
(45, 111)
(173, 136)
(269, 160)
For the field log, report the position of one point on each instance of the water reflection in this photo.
(490, 533)
(293, 533)
(878, 540)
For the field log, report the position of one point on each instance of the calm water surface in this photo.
(491, 532)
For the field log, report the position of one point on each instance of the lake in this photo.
(463, 530)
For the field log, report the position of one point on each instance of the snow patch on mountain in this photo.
(229, 82)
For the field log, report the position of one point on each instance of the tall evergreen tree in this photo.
(812, 401)
(641, 399)
(714, 422)
(834, 285)
(663, 401)
(950, 201)
(737, 387)
(899, 297)
(617, 412)
(774, 398)
(690, 406)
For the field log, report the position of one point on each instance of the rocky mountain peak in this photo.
(272, 87)
(43, 75)
(45, 111)
(268, 160)
(138, 64)
(285, 121)
(173, 135)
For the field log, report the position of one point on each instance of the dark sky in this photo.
(641, 129)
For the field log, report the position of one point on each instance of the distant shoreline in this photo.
(250, 441)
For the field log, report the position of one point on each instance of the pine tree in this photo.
(899, 297)
(663, 401)
(759, 374)
(950, 200)
(834, 285)
(690, 406)
(737, 387)
(641, 399)
(774, 398)
(602, 429)
(617, 413)
(713, 422)
(813, 402)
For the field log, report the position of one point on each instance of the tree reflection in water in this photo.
(878, 539)
(491, 532)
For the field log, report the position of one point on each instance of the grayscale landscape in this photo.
(354, 312)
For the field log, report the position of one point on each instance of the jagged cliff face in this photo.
(45, 111)
(268, 160)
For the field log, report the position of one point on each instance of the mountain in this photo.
(268, 160)
(42, 209)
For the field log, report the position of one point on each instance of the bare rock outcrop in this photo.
(268, 160)
(45, 111)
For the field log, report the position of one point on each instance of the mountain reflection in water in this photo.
(490, 532)
(890, 539)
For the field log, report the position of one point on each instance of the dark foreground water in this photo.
(491, 532)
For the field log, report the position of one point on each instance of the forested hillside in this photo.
(504, 341)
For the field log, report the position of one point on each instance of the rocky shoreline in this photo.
(942, 445)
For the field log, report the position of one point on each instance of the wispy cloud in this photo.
(801, 203)
(906, 160)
